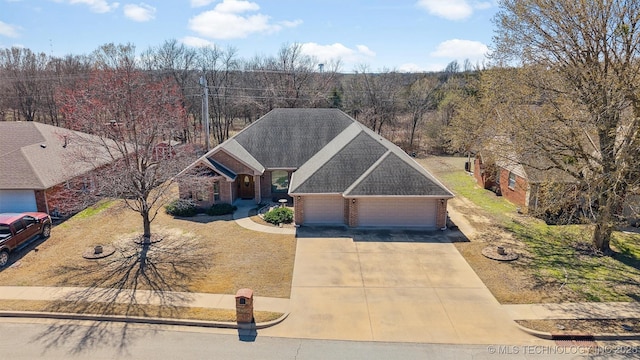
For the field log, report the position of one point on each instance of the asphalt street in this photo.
(47, 339)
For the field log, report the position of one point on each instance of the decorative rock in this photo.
(499, 253)
(98, 252)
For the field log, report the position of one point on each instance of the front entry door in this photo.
(247, 190)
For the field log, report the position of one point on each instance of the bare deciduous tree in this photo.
(131, 113)
(581, 58)
(23, 71)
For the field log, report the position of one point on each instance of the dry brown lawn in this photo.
(220, 256)
(191, 313)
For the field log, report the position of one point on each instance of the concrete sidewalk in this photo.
(241, 217)
(142, 297)
(583, 310)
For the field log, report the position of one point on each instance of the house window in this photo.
(279, 181)
(512, 180)
(216, 191)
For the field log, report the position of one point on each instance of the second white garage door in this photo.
(397, 212)
(325, 209)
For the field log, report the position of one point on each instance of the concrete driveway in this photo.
(391, 286)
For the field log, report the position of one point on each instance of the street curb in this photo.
(595, 337)
(140, 319)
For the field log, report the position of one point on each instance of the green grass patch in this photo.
(560, 256)
(94, 210)
(462, 184)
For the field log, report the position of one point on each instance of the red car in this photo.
(18, 228)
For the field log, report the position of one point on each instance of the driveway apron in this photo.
(391, 286)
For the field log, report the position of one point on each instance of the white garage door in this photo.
(17, 201)
(392, 212)
(324, 209)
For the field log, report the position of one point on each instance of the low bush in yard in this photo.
(221, 209)
(181, 207)
(279, 215)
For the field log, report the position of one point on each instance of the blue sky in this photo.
(404, 35)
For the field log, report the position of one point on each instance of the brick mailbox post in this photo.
(244, 307)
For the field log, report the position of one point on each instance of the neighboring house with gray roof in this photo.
(336, 171)
(39, 171)
(521, 177)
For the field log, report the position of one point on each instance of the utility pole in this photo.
(205, 110)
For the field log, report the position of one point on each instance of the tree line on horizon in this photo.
(412, 109)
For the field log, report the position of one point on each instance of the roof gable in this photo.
(344, 167)
(393, 176)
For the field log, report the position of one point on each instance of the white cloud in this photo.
(461, 49)
(8, 30)
(236, 6)
(97, 6)
(140, 13)
(452, 9)
(337, 51)
(229, 21)
(200, 3)
(196, 42)
(365, 50)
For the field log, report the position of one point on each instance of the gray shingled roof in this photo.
(32, 156)
(287, 138)
(393, 176)
(343, 169)
(331, 153)
(223, 169)
(535, 168)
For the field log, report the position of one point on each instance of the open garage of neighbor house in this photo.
(334, 169)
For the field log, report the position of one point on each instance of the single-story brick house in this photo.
(39, 169)
(521, 181)
(336, 171)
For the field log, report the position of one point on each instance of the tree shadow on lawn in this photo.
(139, 279)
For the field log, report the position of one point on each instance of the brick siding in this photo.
(517, 195)
(441, 215)
(351, 212)
(298, 204)
(230, 162)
